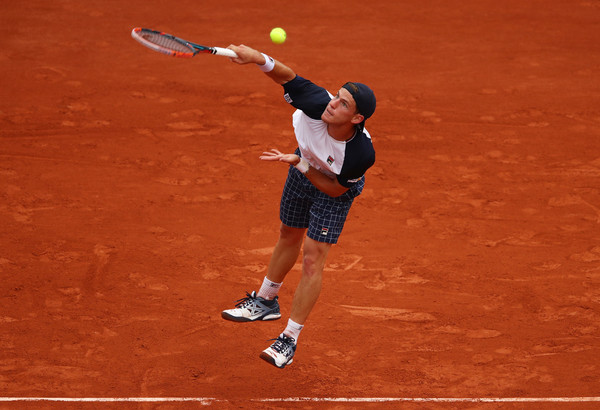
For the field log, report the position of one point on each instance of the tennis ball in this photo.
(278, 35)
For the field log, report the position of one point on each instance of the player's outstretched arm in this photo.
(280, 73)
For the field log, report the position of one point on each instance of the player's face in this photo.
(341, 109)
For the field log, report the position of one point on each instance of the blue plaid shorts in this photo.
(304, 206)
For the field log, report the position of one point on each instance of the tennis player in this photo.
(326, 173)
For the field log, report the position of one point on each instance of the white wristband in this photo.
(302, 166)
(268, 65)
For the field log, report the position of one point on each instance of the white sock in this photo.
(293, 329)
(269, 289)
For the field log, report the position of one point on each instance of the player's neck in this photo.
(342, 132)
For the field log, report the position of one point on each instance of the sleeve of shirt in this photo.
(360, 156)
(306, 96)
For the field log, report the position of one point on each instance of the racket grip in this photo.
(220, 51)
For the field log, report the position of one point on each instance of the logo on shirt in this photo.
(324, 231)
(330, 160)
(287, 98)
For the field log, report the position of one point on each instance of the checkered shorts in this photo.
(304, 206)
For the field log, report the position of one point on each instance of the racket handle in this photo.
(220, 51)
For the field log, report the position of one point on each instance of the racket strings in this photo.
(166, 42)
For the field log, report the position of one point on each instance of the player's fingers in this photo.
(237, 50)
(269, 156)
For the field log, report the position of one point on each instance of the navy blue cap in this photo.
(363, 97)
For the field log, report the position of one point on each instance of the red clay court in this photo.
(133, 206)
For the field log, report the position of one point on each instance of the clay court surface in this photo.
(133, 206)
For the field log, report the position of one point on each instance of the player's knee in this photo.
(313, 258)
(311, 267)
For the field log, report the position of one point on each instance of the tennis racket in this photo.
(174, 46)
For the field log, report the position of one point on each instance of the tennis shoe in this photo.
(252, 308)
(281, 352)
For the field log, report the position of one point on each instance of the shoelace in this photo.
(243, 302)
(283, 344)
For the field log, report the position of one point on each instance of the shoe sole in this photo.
(267, 358)
(231, 318)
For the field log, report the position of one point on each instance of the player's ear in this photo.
(357, 119)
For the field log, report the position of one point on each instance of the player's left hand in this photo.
(276, 155)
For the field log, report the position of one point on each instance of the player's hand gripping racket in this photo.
(173, 46)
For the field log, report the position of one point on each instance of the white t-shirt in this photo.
(347, 160)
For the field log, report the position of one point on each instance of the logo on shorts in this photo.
(324, 231)
(287, 98)
(330, 160)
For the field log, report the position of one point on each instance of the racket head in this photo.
(164, 43)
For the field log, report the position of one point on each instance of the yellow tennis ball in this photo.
(278, 35)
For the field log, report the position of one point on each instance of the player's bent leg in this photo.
(253, 307)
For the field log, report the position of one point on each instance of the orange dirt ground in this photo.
(133, 206)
